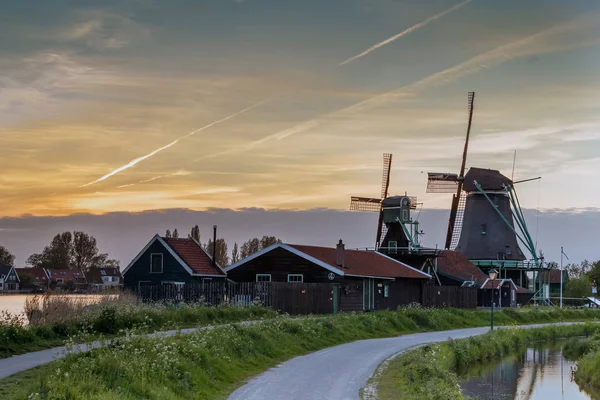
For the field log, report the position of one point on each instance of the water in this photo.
(537, 373)
(15, 304)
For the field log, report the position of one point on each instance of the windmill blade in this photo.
(456, 200)
(442, 182)
(365, 204)
(458, 221)
(387, 167)
(380, 230)
(413, 202)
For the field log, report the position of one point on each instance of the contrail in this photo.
(489, 59)
(173, 143)
(405, 32)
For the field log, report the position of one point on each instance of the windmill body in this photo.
(484, 234)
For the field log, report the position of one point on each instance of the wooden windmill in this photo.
(486, 222)
(377, 204)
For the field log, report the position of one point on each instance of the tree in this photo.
(175, 234)
(594, 272)
(58, 254)
(168, 234)
(6, 258)
(254, 245)
(578, 288)
(195, 233)
(221, 251)
(85, 251)
(71, 251)
(250, 247)
(235, 254)
(267, 241)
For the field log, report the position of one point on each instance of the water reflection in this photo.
(533, 374)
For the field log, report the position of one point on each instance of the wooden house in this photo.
(36, 278)
(367, 280)
(170, 261)
(549, 281)
(504, 293)
(9, 280)
(103, 278)
(67, 279)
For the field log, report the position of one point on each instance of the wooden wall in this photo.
(279, 263)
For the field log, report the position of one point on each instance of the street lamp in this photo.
(492, 273)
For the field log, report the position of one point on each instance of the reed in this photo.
(48, 309)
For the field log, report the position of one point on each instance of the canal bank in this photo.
(433, 371)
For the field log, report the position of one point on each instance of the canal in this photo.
(536, 373)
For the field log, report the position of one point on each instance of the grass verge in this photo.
(430, 372)
(587, 353)
(108, 320)
(211, 364)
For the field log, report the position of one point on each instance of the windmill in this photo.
(389, 208)
(486, 222)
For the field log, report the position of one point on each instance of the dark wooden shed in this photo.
(170, 261)
(365, 280)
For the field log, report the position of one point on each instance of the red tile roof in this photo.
(553, 274)
(456, 265)
(66, 275)
(193, 255)
(363, 263)
(38, 273)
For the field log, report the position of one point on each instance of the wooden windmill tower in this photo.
(486, 222)
(396, 230)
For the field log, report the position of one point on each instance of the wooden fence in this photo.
(449, 296)
(293, 298)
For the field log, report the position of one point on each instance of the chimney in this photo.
(214, 249)
(339, 254)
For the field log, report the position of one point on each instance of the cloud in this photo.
(103, 30)
(405, 32)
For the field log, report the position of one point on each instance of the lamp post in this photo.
(492, 273)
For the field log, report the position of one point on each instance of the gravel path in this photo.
(338, 373)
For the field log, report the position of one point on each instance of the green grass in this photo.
(107, 321)
(211, 364)
(587, 353)
(430, 372)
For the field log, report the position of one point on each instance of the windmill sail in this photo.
(385, 185)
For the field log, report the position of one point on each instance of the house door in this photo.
(368, 294)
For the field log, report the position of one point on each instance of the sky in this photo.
(132, 106)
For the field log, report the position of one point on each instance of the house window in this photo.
(60, 280)
(263, 277)
(156, 263)
(206, 280)
(508, 250)
(295, 278)
(484, 229)
(392, 247)
(102, 272)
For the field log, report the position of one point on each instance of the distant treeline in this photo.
(222, 255)
(79, 251)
